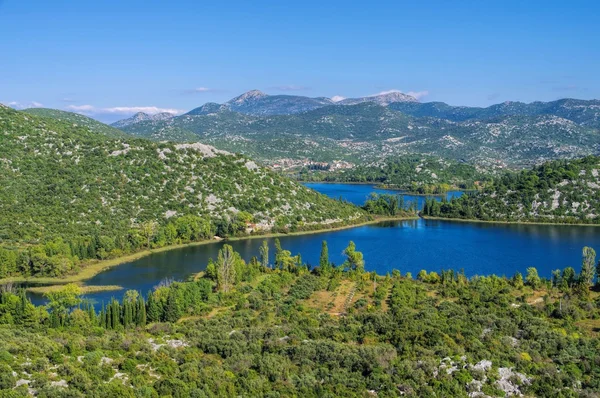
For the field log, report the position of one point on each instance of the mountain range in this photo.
(511, 134)
(366, 130)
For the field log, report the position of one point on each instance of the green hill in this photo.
(559, 191)
(100, 194)
(78, 120)
(421, 174)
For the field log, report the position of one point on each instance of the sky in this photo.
(108, 59)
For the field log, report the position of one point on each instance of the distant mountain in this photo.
(368, 132)
(582, 112)
(256, 102)
(76, 119)
(142, 117)
(381, 99)
(206, 109)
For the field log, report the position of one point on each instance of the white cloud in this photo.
(416, 94)
(202, 90)
(337, 98)
(81, 108)
(121, 110)
(25, 105)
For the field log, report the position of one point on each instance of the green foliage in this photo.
(413, 173)
(559, 191)
(70, 194)
(434, 337)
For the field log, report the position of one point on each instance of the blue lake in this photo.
(409, 246)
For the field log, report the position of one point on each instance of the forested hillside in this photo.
(80, 195)
(420, 174)
(272, 327)
(76, 119)
(560, 191)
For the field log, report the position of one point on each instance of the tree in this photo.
(60, 301)
(598, 274)
(354, 259)
(172, 310)
(324, 264)
(278, 251)
(141, 312)
(517, 280)
(153, 308)
(588, 266)
(264, 254)
(569, 276)
(532, 278)
(148, 230)
(226, 268)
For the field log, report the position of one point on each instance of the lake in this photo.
(409, 246)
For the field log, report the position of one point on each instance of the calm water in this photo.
(407, 245)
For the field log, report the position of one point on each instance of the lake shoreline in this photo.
(388, 188)
(468, 220)
(94, 268)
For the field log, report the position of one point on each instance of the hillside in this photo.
(75, 119)
(559, 191)
(270, 329)
(65, 181)
(368, 132)
(421, 174)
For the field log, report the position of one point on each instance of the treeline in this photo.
(389, 205)
(59, 257)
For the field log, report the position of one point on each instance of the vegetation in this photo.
(286, 330)
(370, 133)
(416, 174)
(389, 205)
(558, 191)
(76, 120)
(71, 195)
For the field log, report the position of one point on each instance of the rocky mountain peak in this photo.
(247, 96)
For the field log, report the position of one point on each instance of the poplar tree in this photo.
(278, 252)
(153, 309)
(141, 312)
(172, 310)
(587, 267)
(324, 259)
(226, 272)
(264, 254)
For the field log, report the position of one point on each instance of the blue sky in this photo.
(109, 58)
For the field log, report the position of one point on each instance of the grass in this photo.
(91, 269)
(591, 326)
(84, 289)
